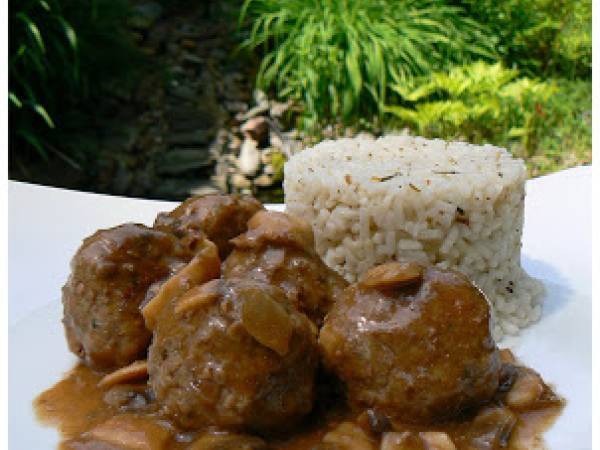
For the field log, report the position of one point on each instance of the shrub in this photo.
(543, 122)
(338, 57)
(477, 102)
(62, 52)
(539, 37)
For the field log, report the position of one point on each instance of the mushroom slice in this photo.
(349, 436)
(199, 295)
(436, 440)
(268, 322)
(526, 389)
(228, 441)
(135, 371)
(278, 227)
(392, 275)
(205, 266)
(400, 440)
(132, 433)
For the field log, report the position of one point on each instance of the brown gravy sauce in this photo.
(126, 417)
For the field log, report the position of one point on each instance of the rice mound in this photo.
(452, 204)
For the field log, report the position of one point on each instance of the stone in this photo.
(192, 59)
(263, 180)
(204, 189)
(217, 146)
(252, 112)
(278, 109)
(191, 138)
(236, 107)
(145, 14)
(256, 128)
(182, 160)
(249, 159)
(239, 181)
(189, 44)
(266, 156)
(275, 139)
(234, 144)
(183, 92)
(260, 98)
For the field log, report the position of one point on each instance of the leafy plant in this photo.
(338, 57)
(62, 52)
(479, 102)
(564, 130)
(547, 123)
(31, 62)
(539, 37)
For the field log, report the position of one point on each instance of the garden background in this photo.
(167, 98)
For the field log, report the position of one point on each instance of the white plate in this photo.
(46, 225)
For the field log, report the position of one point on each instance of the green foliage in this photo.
(61, 52)
(564, 130)
(543, 122)
(538, 37)
(338, 57)
(476, 102)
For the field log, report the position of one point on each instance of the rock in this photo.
(236, 107)
(252, 112)
(249, 158)
(263, 180)
(234, 144)
(260, 98)
(174, 188)
(192, 138)
(278, 109)
(217, 146)
(275, 140)
(204, 189)
(183, 92)
(192, 59)
(256, 128)
(144, 15)
(266, 156)
(189, 44)
(182, 160)
(239, 181)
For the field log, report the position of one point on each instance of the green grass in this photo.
(338, 57)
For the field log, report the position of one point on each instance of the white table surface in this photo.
(46, 225)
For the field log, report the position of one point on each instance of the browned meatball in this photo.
(219, 217)
(234, 353)
(413, 343)
(279, 249)
(110, 274)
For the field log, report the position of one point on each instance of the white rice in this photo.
(452, 204)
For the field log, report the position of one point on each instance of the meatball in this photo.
(413, 343)
(110, 274)
(236, 354)
(279, 249)
(219, 217)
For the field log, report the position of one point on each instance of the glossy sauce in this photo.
(126, 417)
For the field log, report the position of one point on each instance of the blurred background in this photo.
(167, 98)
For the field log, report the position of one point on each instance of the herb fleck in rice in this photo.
(452, 204)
